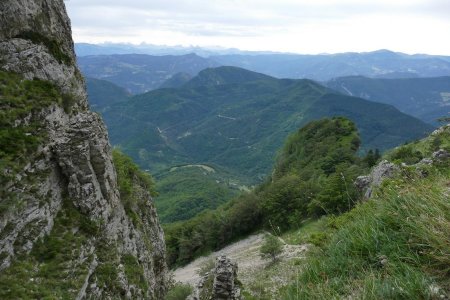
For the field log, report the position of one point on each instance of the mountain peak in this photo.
(225, 75)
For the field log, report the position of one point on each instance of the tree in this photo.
(272, 247)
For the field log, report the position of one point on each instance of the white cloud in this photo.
(303, 26)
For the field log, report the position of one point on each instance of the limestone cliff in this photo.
(65, 231)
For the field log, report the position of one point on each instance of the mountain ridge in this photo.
(228, 120)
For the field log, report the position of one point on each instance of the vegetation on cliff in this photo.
(20, 100)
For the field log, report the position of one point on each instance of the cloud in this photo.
(255, 24)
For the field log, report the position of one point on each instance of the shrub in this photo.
(179, 291)
(271, 247)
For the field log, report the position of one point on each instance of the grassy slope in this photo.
(395, 246)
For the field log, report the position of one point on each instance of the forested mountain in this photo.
(393, 242)
(236, 118)
(177, 80)
(186, 190)
(102, 93)
(139, 73)
(425, 98)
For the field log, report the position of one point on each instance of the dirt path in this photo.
(250, 265)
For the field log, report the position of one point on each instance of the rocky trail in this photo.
(260, 277)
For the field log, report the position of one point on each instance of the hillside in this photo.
(186, 190)
(323, 67)
(139, 73)
(176, 81)
(102, 93)
(306, 182)
(238, 119)
(425, 98)
(393, 245)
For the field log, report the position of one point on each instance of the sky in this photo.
(297, 26)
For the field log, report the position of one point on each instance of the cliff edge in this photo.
(65, 229)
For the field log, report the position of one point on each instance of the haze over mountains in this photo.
(139, 73)
(425, 98)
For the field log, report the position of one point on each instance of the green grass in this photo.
(50, 270)
(311, 231)
(179, 291)
(132, 181)
(393, 247)
(20, 99)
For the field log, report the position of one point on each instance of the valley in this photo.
(135, 171)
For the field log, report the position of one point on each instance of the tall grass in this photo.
(396, 246)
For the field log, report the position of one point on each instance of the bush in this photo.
(179, 291)
(271, 248)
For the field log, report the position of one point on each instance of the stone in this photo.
(441, 155)
(366, 184)
(75, 162)
(224, 285)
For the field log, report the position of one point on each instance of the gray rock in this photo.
(426, 161)
(74, 162)
(383, 170)
(224, 282)
(441, 155)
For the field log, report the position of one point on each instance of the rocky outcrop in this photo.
(440, 155)
(220, 283)
(72, 167)
(383, 170)
(225, 280)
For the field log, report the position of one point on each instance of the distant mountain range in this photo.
(236, 118)
(425, 98)
(139, 73)
(85, 49)
(379, 64)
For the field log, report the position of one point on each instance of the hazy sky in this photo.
(302, 26)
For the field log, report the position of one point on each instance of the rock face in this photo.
(220, 283)
(225, 276)
(70, 174)
(383, 170)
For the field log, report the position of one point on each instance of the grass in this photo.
(394, 247)
(179, 291)
(311, 231)
(20, 100)
(51, 270)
